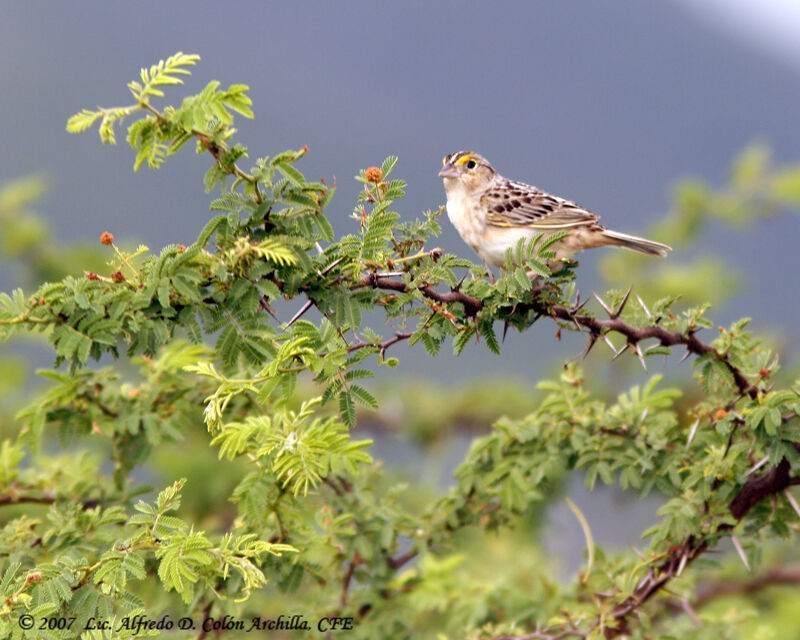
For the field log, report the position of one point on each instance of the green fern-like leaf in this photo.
(165, 72)
(363, 396)
(485, 326)
(347, 408)
(462, 340)
(82, 121)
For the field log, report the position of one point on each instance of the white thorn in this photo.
(692, 432)
(757, 465)
(791, 500)
(641, 584)
(603, 304)
(682, 565)
(738, 546)
(621, 351)
(302, 310)
(640, 355)
(646, 310)
(331, 266)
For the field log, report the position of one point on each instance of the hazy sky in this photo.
(605, 102)
(770, 26)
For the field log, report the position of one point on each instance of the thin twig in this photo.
(398, 561)
(346, 583)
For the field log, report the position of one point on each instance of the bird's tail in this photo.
(635, 243)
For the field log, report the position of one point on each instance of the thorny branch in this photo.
(678, 558)
(596, 327)
(346, 583)
(33, 496)
(471, 305)
(381, 346)
(14, 498)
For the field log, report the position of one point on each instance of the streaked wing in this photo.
(515, 204)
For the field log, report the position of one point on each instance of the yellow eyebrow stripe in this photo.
(464, 159)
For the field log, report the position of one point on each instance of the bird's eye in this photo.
(471, 164)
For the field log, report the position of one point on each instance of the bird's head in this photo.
(467, 169)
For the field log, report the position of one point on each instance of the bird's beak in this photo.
(448, 171)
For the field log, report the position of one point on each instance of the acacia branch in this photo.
(665, 338)
(399, 336)
(16, 496)
(346, 582)
(769, 483)
(679, 557)
(215, 147)
(398, 561)
(23, 498)
(595, 326)
(471, 304)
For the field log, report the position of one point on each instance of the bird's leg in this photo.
(489, 271)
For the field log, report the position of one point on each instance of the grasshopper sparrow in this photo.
(491, 213)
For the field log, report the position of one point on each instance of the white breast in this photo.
(461, 211)
(489, 242)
